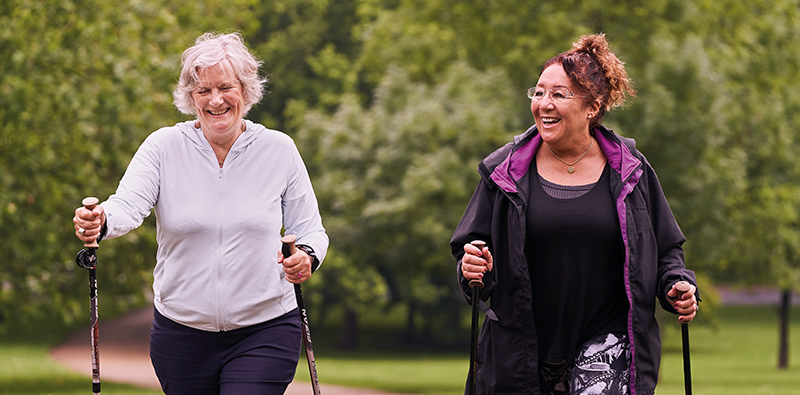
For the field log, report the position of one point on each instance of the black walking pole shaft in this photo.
(687, 368)
(682, 287)
(87, 259)
(288, 250)
(476, 286)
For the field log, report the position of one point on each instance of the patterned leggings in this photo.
(601, 368)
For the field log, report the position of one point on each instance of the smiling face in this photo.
(563, 124)
(218, 100)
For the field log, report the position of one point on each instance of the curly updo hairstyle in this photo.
(211, 49)
(599, 74)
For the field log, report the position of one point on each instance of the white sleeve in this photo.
(137, 192)
(300, 209)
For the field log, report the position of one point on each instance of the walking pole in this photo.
(288, 250)
(682, 287)
(87, 259)
(476, 286)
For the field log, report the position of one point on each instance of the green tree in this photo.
(718, 117)
(392, 178)
(307, 47)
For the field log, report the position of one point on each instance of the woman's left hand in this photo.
(297, 267)
(684, 303)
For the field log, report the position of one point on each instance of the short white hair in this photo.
(209, 50)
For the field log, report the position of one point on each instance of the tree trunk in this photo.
(349, 339)
(783, 348)
(412, 310)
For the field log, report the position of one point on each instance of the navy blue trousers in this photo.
(258, 359)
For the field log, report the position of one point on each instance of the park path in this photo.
(125, 356)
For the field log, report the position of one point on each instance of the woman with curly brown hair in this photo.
(580, 242)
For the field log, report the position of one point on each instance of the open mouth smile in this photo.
(549, 121)
(219, 112)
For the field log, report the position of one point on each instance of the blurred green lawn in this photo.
(27, 368)
(738, 357)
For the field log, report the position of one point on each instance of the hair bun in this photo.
(613, 68)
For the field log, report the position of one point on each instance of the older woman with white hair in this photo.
(225, 319)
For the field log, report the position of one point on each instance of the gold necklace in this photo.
(571, 166)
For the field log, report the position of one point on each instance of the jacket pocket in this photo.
(505, 364)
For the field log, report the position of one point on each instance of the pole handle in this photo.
(90, 203)
(477, 283)
(288, 248)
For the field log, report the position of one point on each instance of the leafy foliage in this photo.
(392, 179)
(393, 103)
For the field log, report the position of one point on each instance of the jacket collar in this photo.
(516, 163)
(195, 135)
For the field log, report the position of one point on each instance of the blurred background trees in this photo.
(393, 103)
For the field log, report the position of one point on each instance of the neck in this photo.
(221, 143)
(573, 151)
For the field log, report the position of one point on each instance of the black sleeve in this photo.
(475, 224)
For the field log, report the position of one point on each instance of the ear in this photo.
(594, 109)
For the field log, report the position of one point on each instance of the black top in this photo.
(576, 259)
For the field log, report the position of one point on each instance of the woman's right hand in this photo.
(475, 262)
(89, 223)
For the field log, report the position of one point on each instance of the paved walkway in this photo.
(125, 356)
(758, 295)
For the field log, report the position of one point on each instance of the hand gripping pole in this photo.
(476, 286)
(87, 259)
(682, 287)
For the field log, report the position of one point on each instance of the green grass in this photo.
(28, 369)
(739, 357)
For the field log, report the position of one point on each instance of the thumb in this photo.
(488, 257)
(672, 293)
(98, 211)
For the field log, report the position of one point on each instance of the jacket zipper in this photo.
(222, 324)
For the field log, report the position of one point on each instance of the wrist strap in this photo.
(310, 251)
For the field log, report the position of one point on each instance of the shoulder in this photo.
(260, 134)
(497, 157)
(162, 138)
(503, 154)
(630, 143)
(272, 145)
(612, 136)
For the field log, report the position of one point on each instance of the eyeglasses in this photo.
(556, 94)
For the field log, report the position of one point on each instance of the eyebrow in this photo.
(224, 84)
(555, 86)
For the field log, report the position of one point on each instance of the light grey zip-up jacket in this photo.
(219, 228)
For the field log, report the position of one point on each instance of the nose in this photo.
(545, 102)
(547, 99)
(216, 97)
